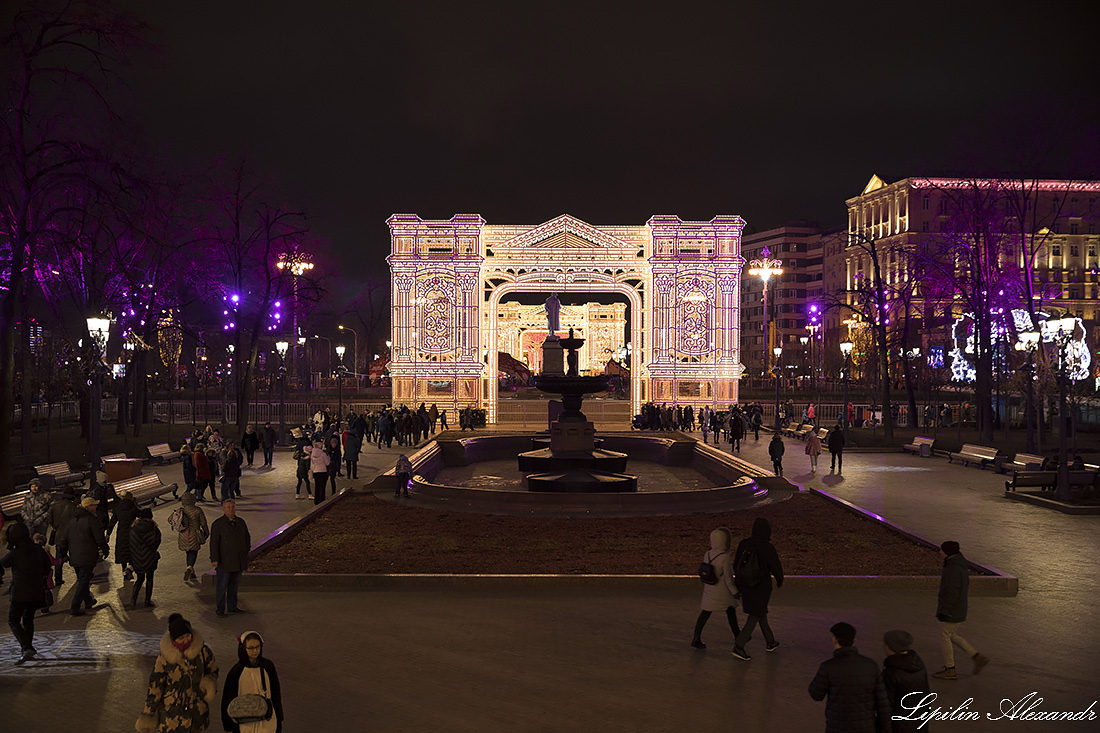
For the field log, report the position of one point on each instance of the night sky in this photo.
(521, 111)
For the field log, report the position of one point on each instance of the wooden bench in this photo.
(59, 474)
(799, 431)
(12, 504)
(145, 488)
(162, 453)
(1047, 480)
(114, 457)
(979, 454)
(920, 446)
(1023, 462)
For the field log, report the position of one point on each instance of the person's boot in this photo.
(133, 600)
(698, 643)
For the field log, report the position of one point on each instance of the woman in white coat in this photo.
(721, 596)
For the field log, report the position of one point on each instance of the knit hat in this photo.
(178, 626)
(88, 503)
(950, 548)
(898, 640)
(145, 513)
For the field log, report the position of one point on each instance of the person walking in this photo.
(757, 420)
(776, 450)
(30, 567)
(836, 449)
(36, 508)
(811, 415)
(903, 673)
(193, 533)
(951, 611)
(334, 456)
(203, 473)
(319, 467)
(61, 512)
(813, 449)
(249, 443)
(144, 554)
(123, 516)
(187, 462)
(353, 446)
(402, 472)
(230, 544)
(231, 474)
(857, 701)
(720, 596)
(183, 682)
(755, 564)
(267, 442)
(83, 544)
(253, 674)
(301, 455)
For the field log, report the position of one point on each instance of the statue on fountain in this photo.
(552, 306)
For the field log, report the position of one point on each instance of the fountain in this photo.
(573, 463)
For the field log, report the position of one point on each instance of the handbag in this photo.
(251, 708)
(707, 573)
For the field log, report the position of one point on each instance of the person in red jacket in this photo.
(203, 475)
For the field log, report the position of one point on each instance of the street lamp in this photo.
(846, 350)
(1029, 342)
(354, 352)
(805, 340)
(281, 348)
(297, 263)
(99, 328)
(764, 268)
(778, 351)
(340, 369)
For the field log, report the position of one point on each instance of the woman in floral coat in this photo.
(183, 682)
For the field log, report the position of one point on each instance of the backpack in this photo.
(707, 573)
(175, 519)
(749, 570)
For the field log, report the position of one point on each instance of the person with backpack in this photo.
(719, 590)
(754, 564)
(190, 522)
(776, 450)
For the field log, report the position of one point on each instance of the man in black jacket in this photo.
(84, 544)
(951, 611)
(267, 442)
(853, 683)
(836, 449)
(229, 547)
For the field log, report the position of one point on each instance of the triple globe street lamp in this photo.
(764, 268)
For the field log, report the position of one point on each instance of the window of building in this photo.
(1092, 250)
(1073, 228)
(1056, 228)
(925, 203)
(924, 226)
(1074, 250)
(1054, 203)
(943, 206)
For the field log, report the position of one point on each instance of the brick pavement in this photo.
(575, 659)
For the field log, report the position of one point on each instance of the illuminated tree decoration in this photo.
(1078, 358)
(170, 340)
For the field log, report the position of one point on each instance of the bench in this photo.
(799, 431)
(114, 457)
(979, 454)
(12, 504)
(1023, 462)
(921, 446)
(162, 453)
(59, 474)
(1046, 480)
(146, 487)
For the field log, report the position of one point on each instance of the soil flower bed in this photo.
(362, 534)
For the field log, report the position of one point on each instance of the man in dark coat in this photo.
(231, 474)
(836, 449)
(267, 442)
(757, 551)
(857, 695)
(84, 544)
(61, 511)
(30, 566)
(776, 450)
(124, 514)
(903, 673)
(249, 443)
(951, 611)
(229, 547)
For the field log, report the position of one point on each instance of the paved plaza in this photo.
(478, 658)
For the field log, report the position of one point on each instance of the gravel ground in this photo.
(362, 534)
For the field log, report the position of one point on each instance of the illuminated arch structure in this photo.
(680, 278)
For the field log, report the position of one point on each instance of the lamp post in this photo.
(354, 352)
(805, 341)
(99, 328)
(846, 350)
(340, 369)
(813, 329)
(764, 268)
(281, 347)
(1028, 342)
(297, 263)
(1064, 333)
(778, 351)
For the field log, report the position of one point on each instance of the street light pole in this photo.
(340, 369)
(281, 348)
(846, 350)
(98, 328)
(354, 352)
(778, 351)
(764, 268)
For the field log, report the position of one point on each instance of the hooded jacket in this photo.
(182, 685)
(124, 515)
(720, 596)
(776, 448)
(318, 459)
(902, 674)
(144, 543)
(231, 688)
(954, 586)
(61, 512)
(29, 563)
(754, 599)
(36, 511)
(194, 529)
(83, 541)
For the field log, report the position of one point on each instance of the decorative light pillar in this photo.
(281, 348)
(846, 350)
(99, 328)
(764, 268)
(778, 351)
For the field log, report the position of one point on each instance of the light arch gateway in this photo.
(681, 279)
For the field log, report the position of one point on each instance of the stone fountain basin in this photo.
(547, 461)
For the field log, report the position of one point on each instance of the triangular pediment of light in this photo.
(564, 232)
(874, 184)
